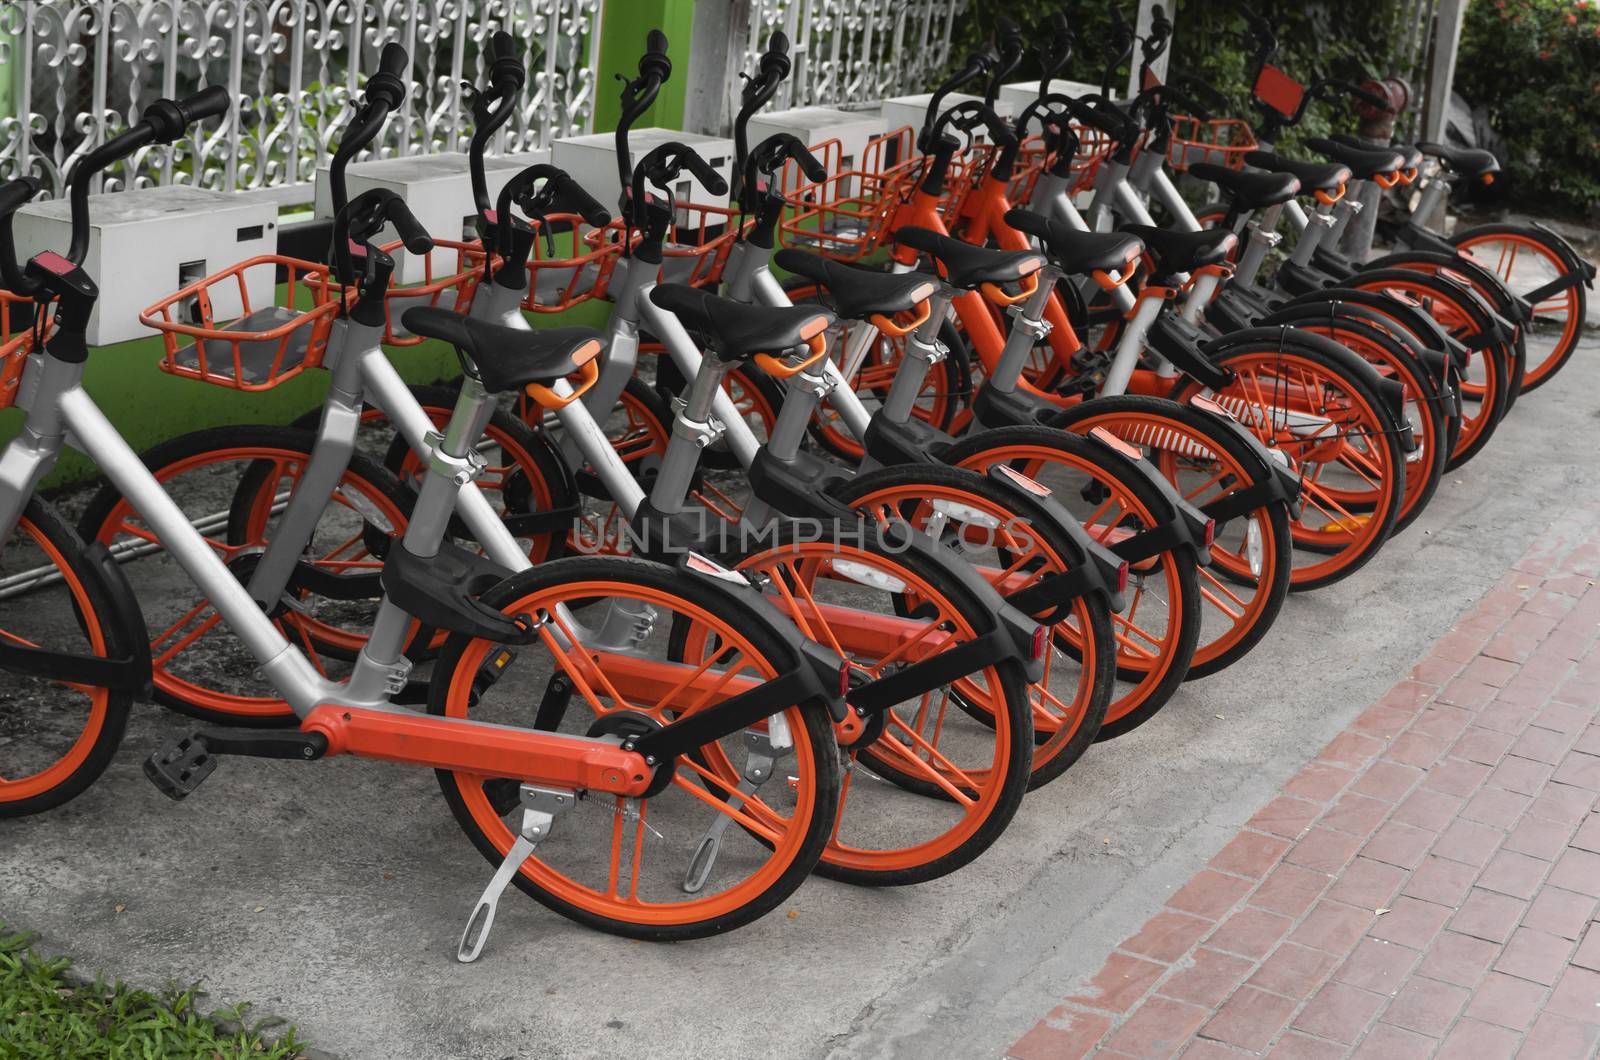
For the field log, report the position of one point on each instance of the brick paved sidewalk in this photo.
(1427, 886)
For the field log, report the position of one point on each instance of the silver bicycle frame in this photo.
(60, 412)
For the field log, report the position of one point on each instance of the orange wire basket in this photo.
(265, 344)
(556, 282)
(451, 271)
(17, 335)
(1220, 141)
(1094, 147)
(698, 242)
(844, 215)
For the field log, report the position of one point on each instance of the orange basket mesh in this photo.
(558, 282)
(1094, 147)
(844, 215)
(264, 344)
(17, 323)
(1221, 141)
(698, 242)
(451, 272)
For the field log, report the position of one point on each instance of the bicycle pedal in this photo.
(181, 766)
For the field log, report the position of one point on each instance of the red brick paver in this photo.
(1428, 886)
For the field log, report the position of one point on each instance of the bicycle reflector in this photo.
(1041, 637)
(1210, 534)
(844, 679)
(1122, 576)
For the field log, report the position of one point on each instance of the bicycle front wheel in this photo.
(56, 737)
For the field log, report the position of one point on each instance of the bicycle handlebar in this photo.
(363, 218)
(383, 92)
(769, 157)
(968, 116)
(492, 108)
(772, 68)
(560, 194)
(162, 122)
(1155, 43)
(14, 194)
(1008, 42)
(977, 63)
(663, 165)
(638, 94)
(1118, 47)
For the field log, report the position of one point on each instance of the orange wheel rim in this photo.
(15, 789)
(906, 746)
(618, 898)
(1140, 649)
(1268, 387)
(1561, 308)
(347, 556)
(1477, 413)
(1206, 470)
(1026, 561)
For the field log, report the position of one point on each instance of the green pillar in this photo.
(623, 26)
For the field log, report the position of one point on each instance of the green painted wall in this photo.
(623, 27)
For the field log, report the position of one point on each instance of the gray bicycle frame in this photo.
(60, 412)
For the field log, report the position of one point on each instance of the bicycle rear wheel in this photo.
(1012, 550)
(1310, 406)
(603, 656)
(931, 787)
(1527, 260)
(1158, 631)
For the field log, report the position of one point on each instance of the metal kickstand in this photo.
(761, 756)
(540, 808)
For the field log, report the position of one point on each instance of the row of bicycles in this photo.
(875, 503)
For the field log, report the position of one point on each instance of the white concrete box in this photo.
(436, 188)
(815, 125)
(913, 110)
(1019, 94)
(146, 243)
(592, 161)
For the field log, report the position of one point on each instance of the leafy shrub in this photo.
(1535, 64)
(1352, 39)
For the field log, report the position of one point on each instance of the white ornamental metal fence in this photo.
(849, 51)
(81, 70)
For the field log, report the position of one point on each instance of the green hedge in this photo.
(1317, 38)
(1535, 64)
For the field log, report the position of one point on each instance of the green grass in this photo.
(47, 1014)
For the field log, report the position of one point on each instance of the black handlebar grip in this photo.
(15, 193)
(168, 119)
(710, 178)
(775, 61)
(814, 170)
(210, 103)
(388, 85)
(585, 204)
(393, 60)
(412, 234)
(1008, 35)
(654, 62)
